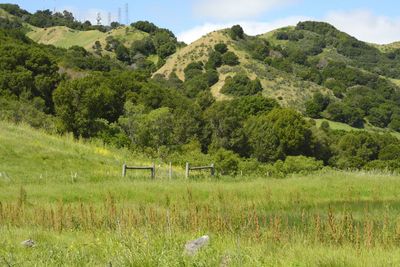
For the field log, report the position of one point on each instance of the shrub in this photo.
(390, 152)
(241, 85)
(236, 32)
(230, 59)
(226, 162)
(221, 48)
(299, 164)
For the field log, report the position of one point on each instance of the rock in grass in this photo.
(28, 243)
(192, 247)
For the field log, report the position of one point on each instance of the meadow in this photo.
(69, 197)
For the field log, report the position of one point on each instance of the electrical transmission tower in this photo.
(119, 15)
(109, 18)
(127, 14)
(98, 19)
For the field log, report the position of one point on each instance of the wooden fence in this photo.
(151, 168)
(199, 168)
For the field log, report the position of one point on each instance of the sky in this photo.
(370, 21)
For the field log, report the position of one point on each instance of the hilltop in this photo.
(62, 36)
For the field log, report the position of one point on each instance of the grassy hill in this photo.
(288, 89)
(65, 37)
(32, 156)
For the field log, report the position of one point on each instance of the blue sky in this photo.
(373, 21)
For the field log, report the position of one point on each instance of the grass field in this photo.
(70, 198)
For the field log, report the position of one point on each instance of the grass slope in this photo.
(326, 219)
(65, 37)
(345, 127)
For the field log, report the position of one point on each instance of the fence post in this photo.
(124, 170)
(187, 170)
(212, 169)
(170, 171)
(153, 171)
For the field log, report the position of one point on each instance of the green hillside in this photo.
(288, 89)
(359, 81)
(61, 36)
(32, 156)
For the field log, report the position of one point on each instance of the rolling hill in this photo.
(61, 36)
(288, 89)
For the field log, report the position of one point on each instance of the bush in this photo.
(299, 164)
(241, 85)
(145, 26)
(221, 48)
(226, 162)
(390, 152)
(293, 165)
(230, 59)
(385, 165)
(236, 32)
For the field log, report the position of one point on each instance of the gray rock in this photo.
(28, 243)
(192, 247)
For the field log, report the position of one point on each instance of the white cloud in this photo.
(236, 9)
(251, 28)
(366, 26)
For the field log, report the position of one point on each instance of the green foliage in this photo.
(390, 152)
(145, 26)
(152, 130)
(29, 111)
(27, 70)
(144, 46)
(296, 164)
(317, 105)
(356, 149)
(279, 133)
(236, 32)
(80, 103)
(338, 111)
(226, 162)
(214, 60)
(221, 48)
(230, 59)
(241, 85)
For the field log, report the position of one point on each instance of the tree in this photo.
(241, 85)
(115, 25)
(263, 140)
(153, 129)
(318, 104)
(97, 48)
(230, 58)
(390, 152)
(122, 53)
(214, 60)
(236, 32)
(221, 48)
(292, 129)
(144, 46)
(145, 26)
(226, 162)
(79, 103)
